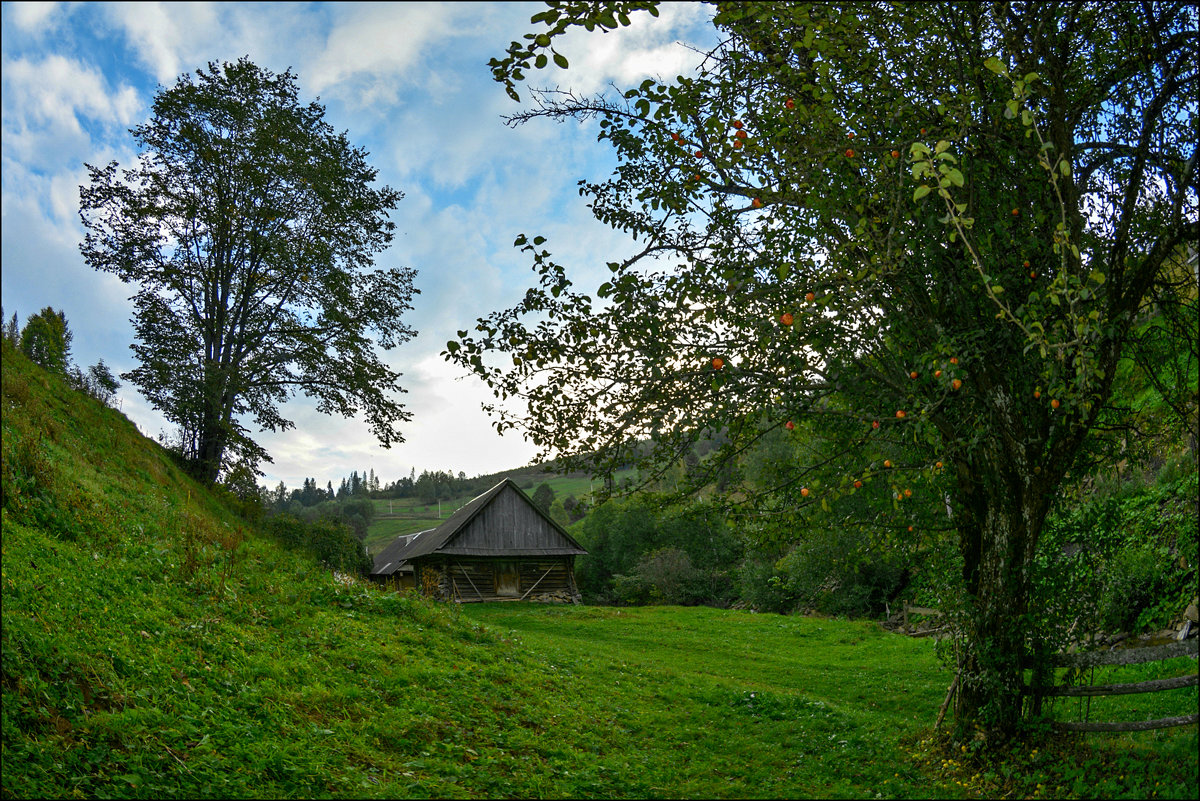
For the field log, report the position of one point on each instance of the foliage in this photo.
(46, 340)
(928, 225)
(543, 496)
(248, 226)
(641, 550)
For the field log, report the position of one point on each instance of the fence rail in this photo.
(1128, 656)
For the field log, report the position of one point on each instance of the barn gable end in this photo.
(499, 546)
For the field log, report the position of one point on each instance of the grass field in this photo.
(157, 646)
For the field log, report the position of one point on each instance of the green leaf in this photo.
(996, 65)
(560, 60)
(921, 191)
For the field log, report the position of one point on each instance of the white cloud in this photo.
(46, 100)
(37, 19)
(162, 33)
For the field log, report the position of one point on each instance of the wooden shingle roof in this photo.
(501, 522)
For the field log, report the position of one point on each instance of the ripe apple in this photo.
(1037, 393)
(937, 373)
(850, 135)
(676, 137)
(922, 132)
(954, 360)
(786, 318)
(789, 425)
(756, 203)
(743, 135)
(1026, 265)
(858, 485)
(910, 528)
(900, 413)
(718, 363)
(699, 154)
(849, 153)
(737, 143)
(810, 296)
(1054, 403)
(895, 154)
(736, 124)
(907, 493)
(956, 383)
(938, 465)
(1015, 212)
(887, 462)
(913, 374)
(804, 491)
(874, 424)
(789, 104)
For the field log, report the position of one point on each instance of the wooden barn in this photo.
(498, 547)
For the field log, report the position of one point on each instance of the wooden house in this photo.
(498, 547)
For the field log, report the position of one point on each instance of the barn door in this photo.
(508, 579)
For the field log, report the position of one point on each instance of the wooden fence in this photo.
(1128, 656)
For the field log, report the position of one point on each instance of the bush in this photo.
(838, 573)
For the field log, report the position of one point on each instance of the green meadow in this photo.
(157, 645)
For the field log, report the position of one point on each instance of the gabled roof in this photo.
(555, 541)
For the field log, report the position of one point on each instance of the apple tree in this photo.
(919, 235)
(249, 227)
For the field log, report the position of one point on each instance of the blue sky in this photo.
(410, 83)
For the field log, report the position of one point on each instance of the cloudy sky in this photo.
(410, 83)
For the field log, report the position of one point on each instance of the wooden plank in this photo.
(1154, 685)
(1130, 656)
(1132, 725)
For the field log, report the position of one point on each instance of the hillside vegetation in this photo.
(156, 645)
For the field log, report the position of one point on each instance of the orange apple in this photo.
(736, 124)
(858, 485)
(743, 135)
(699, 154)
(874, 424)
(737, 143)
(887, 462)
(810, 297)
(913, 374)
(849, 153)
(895, 154)
(1054, 403)
(938, 465)
(900, 413)
(789, 104)
(956, 383)
(910, 528)
(937, 373)
(756, 203)
(804, 491)
(922, 132)
(789, 425)
(786, 318)
(1015, 212)
(907, 493)
(718, 363)
(1037, 393)
(954, 360)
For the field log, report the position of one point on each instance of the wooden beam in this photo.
(1130, 656)
(1132, 725)
(539, 581)
(1154, 685)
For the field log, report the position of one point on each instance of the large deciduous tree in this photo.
(923, 232)
(250, 228)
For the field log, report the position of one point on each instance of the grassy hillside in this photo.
(155, 646)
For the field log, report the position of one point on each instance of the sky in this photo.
(409, 82)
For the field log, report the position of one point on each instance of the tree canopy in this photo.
(920, 235)
(250, 228)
